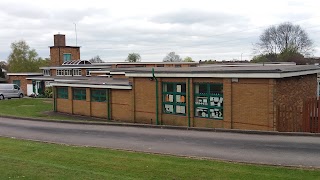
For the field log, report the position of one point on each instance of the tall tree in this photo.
(96, 59)
(133, 57)
(172, 57)
(24, 59)
(285, 37)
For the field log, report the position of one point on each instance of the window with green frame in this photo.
(174, 98)
(17, 82)
(208, 100)
(79, 94)
(98, 95)
(62, 92)
(66, 57)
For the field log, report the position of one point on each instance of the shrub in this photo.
(48, 92)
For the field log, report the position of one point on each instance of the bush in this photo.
(48, 92)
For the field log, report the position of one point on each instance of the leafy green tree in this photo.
(24, 59)
(133, 57)
(188, 59)
(291, 55)
(3, 66)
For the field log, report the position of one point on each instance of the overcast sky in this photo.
(201, 29)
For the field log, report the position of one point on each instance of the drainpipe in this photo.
(189, 102)
(54, 99)
(157, 104)
(109, 103)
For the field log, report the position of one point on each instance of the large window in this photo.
(174, 98)
(77, 72)
(98, 95)
(79, 94)
(208, 100)
(66, 57)
(62, 92)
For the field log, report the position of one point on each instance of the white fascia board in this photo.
(46, 79)
(99, 72)
(24, 74)
(226, 75)
(75, 67)
(300, 73)
(64, 80)
(118, 73)
(92, 86)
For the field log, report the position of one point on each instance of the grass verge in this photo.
(32, 108)
(34, 160)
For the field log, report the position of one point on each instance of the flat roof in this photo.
(278, 71)
(24, 74)
(85, 81)
(109, 64)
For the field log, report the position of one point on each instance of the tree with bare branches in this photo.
(283, 38)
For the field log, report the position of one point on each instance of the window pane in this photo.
(180, 109)
(168, 108)
(181, 88)
(216, 113)
(167, 87)
(66, 57)
(201, 100)
(216, 89)
(202, 112)
(180, 98)
(216, 101)
(168, 98)
(203, 89)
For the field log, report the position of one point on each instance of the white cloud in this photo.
(202, 29)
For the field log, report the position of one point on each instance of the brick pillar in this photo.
(227, 103)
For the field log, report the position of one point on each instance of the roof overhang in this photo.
(118, 73)
(24, 74)
(104, 86)
(272, 75)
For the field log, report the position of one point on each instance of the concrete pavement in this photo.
(252, 148)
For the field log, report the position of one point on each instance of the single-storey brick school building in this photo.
(220, 96)
(214, 97)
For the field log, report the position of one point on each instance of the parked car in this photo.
(10, 91)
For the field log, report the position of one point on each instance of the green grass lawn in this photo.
(34, 160)
(30, 107)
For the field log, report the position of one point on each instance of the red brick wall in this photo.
(23, 82)
(294, 90)
(121, 105)
(252, 104)
(54, 54)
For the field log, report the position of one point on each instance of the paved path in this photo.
(266, 149)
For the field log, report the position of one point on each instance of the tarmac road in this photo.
(253, 148)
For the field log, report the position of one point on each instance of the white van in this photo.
(10, 91)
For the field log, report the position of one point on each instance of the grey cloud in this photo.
(193, 17)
